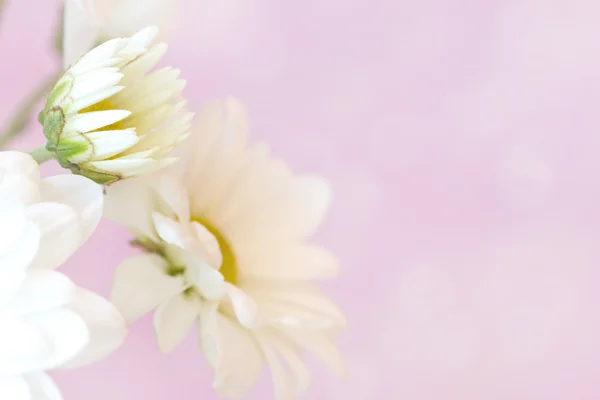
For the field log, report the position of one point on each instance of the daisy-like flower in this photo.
(226, 247)
(109, 118)
(47, 322)
(88, 21)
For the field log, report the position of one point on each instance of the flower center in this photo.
(229, 265)
(105, 105)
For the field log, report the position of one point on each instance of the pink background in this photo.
(462, 140)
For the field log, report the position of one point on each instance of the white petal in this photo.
(17, 259)
(207, 332)
(67, 332)
(141, 284)
(93, 98)
(97, 56)
(243, 305)
(80, 193)
(126, 168)
(107, 330)
(24, 190)
(174, 319)
(87, 87)
(110, 143)
(60, 233)
(170, 231)
(14, 388)
(21, 163)
(42, 387)
(12, 220)
(41, 290)
(22, 346)
(93, 120)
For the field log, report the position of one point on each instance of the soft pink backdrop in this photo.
(462, 140)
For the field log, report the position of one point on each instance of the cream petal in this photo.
(107, 329)
(96, 57)
(141, 284)
(297, 211)
(211, 250)
(321, 346)
(301, 302)
(41, 290)
(175, 195)
(282, 380)
(130, 204)
(60, 234)
(42, 387)
(235, 379)
(244, 306)
(289, 354)
(174, 319)
(207, 280)
(80, 193)
(207, 331)
(14, 388)
(276, 259)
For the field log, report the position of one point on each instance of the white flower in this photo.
(228, 250)
(46, 321)
(86, 22)
(109, 118)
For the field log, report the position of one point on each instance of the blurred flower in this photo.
(108, 118)
(87, 22)
(47, 322)
(229, 249)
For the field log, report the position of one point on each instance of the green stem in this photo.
(21, 119)
(41, 155)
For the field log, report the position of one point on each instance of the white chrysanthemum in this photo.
(87, 21)
(46, 321)
(109, 118)
(229, 249)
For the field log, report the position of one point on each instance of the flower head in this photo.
(226, 246)
(109, 118)
(47, 322)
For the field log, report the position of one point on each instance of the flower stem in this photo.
(41, 155)
(21, 119)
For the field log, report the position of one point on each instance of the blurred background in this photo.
(462, 141)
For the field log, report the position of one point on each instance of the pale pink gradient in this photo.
(462, 140)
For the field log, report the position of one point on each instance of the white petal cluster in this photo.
(46, 321)
(110, 117)
(227, 249)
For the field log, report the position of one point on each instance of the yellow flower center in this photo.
(105, 105)
(229, 265)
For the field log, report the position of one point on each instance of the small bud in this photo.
(109, 118)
